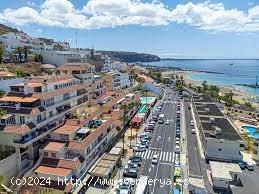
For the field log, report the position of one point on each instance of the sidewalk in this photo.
(184, 152)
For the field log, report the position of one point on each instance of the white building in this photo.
(34, 109)
(12, 40)
(255, 155)
(219, 138)
(116, 80)
(59, 58)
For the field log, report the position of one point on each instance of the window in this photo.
(53, 155)
(39, 118)
(22, 119)
(46, 154)
(50, 113)
(50, 102)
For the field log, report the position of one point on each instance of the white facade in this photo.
(59, 58)
(125, 80)
(11, 41)
(255, 155)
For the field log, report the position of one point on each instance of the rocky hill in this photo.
(130, 57)
(6, 29)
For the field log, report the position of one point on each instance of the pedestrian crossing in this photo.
(162, 156)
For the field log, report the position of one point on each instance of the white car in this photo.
(193, 131)
(177, 149)
(155, 159)
(192, 123)
(177, 142)
(167, 122)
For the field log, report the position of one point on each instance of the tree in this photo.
(2, 93)
(38, 58)
(2, 51)
(19, 51)
(204, 86)
(249, 105)
(25, 50)
(213, 91)
(2, 112)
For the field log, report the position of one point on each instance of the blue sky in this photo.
(168, 28)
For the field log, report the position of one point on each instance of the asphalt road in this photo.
(192, 146)
(162, 144)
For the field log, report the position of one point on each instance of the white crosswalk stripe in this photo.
(162, 156)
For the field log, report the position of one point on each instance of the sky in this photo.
(167, 28)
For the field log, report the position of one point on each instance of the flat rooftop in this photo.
(227, 130)
(223, 170)
(208, 110)
(202, 98)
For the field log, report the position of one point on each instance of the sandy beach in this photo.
(239, 95)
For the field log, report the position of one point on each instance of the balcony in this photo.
(39, 132)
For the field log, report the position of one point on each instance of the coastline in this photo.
(239, 95)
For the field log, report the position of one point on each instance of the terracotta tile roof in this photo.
(17, 99)
(63, 163)
(49, 79)
(50, 94)
(68, 128)
(54, 146)
(53, 171)
(75, 67)
(74, 145)
(16, 129)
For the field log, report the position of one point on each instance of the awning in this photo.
(137, 119)
(83, 130)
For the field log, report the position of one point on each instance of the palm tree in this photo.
(2, 51)
(2, 112)
(124, 107)
(205, 86)
(19, 50)
(25, 50)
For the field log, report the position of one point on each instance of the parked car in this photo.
(242, 165)
(155, 159)
(192, 123)
(136, 157)
(193, 131)
(167, 122)
(249, 166)
(178, 134)
(132, 173)
(177, 149)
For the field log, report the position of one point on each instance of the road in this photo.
(162, 144)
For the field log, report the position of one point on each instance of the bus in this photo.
(142, 186)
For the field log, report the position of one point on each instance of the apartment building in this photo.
(73, 148)
(116, 80)
(34, 109)
(219, 138)
(244, 113)
(255, 154)
(13, 40)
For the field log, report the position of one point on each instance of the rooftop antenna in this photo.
(76, 41)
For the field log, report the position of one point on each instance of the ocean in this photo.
(219, 72)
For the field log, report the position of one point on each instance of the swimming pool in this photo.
(147, 100)
(251, 131)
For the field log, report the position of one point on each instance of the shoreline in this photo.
(239, 95)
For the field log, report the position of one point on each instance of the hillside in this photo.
(130, 57)
(5, 29)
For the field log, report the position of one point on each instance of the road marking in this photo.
(149, 152)
(161, 155)
(149, 169)
(170, 155)
(166, 156)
